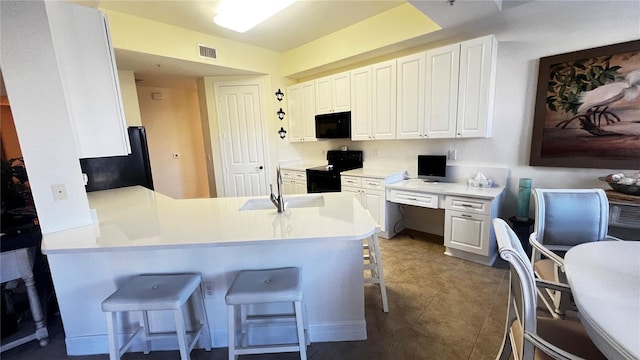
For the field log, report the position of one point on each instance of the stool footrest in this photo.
(265, 349)
(126, 346)
(195, 335)
(270, 318)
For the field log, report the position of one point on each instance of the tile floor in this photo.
(439, 308)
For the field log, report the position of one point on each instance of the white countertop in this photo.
(443, 188)
(135, 217)
(379, 173)
(301, 165)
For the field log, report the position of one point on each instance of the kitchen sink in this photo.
(290, 203)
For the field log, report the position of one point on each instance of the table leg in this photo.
(42, 334)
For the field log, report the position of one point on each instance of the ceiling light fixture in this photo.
(242, 15)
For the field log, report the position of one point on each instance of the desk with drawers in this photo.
(468, 214)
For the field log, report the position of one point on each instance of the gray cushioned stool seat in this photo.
(259, 287)
(265, 286)
(154, 292)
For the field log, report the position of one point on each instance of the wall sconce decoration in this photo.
(279, 95)
(280, 114)
(282, 132)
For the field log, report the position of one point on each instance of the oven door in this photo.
(322, 181)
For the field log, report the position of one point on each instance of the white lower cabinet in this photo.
(370, 192)
(467, 228)
(294, 182)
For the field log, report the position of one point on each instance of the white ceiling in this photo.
(302, 22)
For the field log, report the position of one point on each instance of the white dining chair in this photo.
(564, 218)
(527, 335)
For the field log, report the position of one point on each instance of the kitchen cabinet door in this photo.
(90, 81)
(301, 112)
(410, 96)
(467, 232)
(333, 93)
(384, 100)
(476, 87)
(324, 101)
(361, 126)
(341, 87)
(441, 93)
(374, 201)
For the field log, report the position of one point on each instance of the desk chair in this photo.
(528, 336)
(564, 218)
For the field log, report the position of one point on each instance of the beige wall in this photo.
(129, 97)
(175, 138)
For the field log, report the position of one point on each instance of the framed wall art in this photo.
(587, 111)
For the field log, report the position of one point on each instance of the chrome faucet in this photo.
(278, 201)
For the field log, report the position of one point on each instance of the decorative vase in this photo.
(524, 195)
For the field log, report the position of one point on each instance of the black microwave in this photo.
(333, 125)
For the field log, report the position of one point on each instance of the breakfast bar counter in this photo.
(141, 231)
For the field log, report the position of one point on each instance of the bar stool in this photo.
(373, 265)
(252, 287)
(152, 293)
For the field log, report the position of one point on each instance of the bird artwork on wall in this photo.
(594, 111)
(587, 111)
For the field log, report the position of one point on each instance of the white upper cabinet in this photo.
(333, 93)
(410, 96)
(361, 126)
(373, 102)
(476, 87)
(441, 95)
(384, 100)
(302, 106)
(452, 96)
(90, 81)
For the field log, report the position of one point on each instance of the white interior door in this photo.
(241, 127)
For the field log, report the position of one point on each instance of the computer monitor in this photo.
(432, 168)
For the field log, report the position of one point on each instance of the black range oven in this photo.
(327, 178)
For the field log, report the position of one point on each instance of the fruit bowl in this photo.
(614, 182)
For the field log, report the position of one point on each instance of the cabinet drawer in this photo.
(351, 181)
(293, 174)
(412, 198)
(287, 174)
(470, 205)
(372, 183)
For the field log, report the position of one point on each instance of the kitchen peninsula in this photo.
(142, 231)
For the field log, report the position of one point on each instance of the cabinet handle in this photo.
(466, 216)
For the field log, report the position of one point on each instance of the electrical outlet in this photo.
(59, 192)
(209, 289)
(376, 153)
(452, 154)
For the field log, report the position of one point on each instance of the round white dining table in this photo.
(605, 280)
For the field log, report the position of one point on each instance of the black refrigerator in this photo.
(120, 171)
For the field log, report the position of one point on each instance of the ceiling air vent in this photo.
(207, 52)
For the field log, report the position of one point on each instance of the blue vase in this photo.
(524, 195)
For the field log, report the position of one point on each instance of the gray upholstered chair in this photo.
(564, 218)
(528, 336)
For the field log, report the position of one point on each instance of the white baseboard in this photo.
(324, 332)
